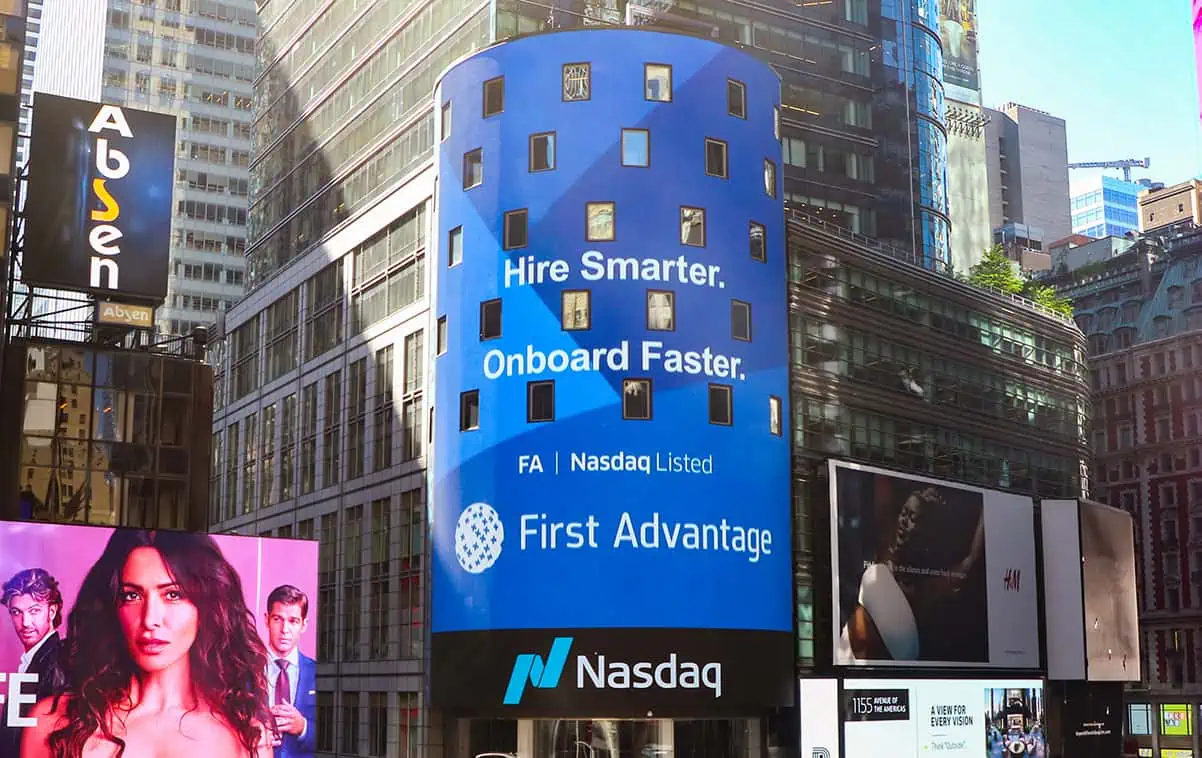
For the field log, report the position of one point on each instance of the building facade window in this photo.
(661, 310)
(440, 345)
(577, 82)
(540, 401)
(469, 410)
(692, 226)
(575, 310)
(490, 319)
(599, 222)
(758, 242)
(446, 120)
(383, 422)
(721, 404)
(494, 96)
(473, 168)
(356, 438)
(308, 449)
(542, 151)
(657, 82)
(636, 399)
(636, 148)
(455, 246)
(516, 229)
(412, 405)
(331, 435)
(740, 320)
(770, 178)
(774, 416)
(736, 98)
(716, 158)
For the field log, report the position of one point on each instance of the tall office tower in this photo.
(967, 178)
(1028, 170)
(194, 59)
(33, 33)
(1107, 207)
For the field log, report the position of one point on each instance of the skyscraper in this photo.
(194, 59)
(33, 33)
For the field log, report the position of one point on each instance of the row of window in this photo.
(636, 404)
(577, 87)
(576, 315)
(636, 153)
(599, 227)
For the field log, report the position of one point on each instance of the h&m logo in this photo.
(1013, 580)
(543, 675)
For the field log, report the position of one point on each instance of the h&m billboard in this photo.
(930, 573)
(99, 204)
(610, 473)
(225, 626)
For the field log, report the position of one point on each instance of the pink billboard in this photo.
(155, 642)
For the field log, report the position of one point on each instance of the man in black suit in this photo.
(35, 607)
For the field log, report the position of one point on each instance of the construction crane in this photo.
(1126, 165)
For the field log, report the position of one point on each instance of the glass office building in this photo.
(1107, 207)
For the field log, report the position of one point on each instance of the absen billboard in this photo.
(931, 574)
(610, 476)
(98, 210)
(98, 616)
(912, 718)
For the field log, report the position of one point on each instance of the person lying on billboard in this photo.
(34, 604)
(163, 658)
(884, 625)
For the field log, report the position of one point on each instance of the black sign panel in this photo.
(876, 705)
(1085, 718)
(612, 673)
(99, 204)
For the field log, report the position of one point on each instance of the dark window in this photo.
(455, 246)
(490, 319)
(446, 119)
(469, 410)
(692, 226)
(736, 98)
(636, 399)
(494, 96)
(721, 411)
(440, 343)
(774, 410)
(715, 158)
(540, 401)
(577, 82)
(575, 310)
(515, 229)
(758, 241)
(661, 310)
(473, 168)
(636, 148)
(542, 151)
(740, 320)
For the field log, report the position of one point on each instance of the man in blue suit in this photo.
(291, 675)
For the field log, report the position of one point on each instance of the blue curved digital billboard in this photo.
(610, 473)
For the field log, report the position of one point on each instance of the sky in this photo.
(1121, 73)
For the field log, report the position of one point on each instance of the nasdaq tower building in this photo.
(610, 474)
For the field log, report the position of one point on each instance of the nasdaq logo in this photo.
(543, 675)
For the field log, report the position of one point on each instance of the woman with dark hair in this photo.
(163, 657)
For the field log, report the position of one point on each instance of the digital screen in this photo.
(1175, 720)
(95, 617)
(928, 572)
(101, 179)
(951, 718)
(610, 476)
